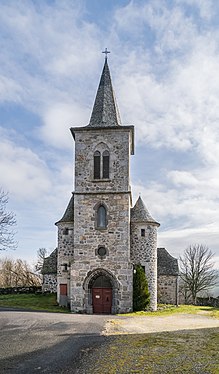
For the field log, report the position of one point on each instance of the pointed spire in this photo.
(139, 213)
(105, 111)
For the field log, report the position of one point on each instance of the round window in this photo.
(101, 251)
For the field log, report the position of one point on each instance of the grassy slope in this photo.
(45, 302)
(165, 310)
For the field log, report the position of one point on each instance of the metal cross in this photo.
(106, 53)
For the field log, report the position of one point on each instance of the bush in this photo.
(141, 295)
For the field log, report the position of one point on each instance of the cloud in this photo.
(23, 173)
(57, 121)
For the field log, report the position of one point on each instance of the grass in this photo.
(45, 302)
(164, 310)
(194, 351)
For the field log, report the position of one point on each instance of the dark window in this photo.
(97, 165)
(142, 232)
(106, 164)
(65, 232)
(101, 251)
(101, 217)
(65, 267)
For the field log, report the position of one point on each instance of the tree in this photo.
(197, 271)
(41, 254)
(7, 222)
(141, 295)
(17, 273)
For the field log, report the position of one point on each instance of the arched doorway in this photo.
(102, 295)
(103, 284)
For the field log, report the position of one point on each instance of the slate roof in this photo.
(166, 264)
(68, 216)
(50, 264)
(139, 213)
(105, 111)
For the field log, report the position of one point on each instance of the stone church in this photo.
(101, 236)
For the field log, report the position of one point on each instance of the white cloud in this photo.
(23, 173)
(57, 121)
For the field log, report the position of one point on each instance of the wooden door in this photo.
(102, 300)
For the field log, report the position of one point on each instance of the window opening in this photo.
(142, 232)
(97, 165)
(65, 232)
(101, 217)
(101, 251)
(106, 164)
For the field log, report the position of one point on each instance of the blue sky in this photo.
(164, 63)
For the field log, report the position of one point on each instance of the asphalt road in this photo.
(38, 342)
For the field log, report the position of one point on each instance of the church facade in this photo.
(101, 236)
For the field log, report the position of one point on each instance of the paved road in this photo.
(38, 342)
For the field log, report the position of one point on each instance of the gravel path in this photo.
(147, 324)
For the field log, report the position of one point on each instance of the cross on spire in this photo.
(106, 53)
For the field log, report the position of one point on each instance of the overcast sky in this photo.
(164, 64)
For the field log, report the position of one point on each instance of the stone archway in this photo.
(96, 281)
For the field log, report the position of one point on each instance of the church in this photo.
(101, 235)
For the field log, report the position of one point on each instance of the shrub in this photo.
(141, 295)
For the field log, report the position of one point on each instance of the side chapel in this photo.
(101, 236)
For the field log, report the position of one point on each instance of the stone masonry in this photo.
(100, 236)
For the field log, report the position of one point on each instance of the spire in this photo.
(105, 112)
(139, 213)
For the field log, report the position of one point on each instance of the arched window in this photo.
(97, 165)
(101, 217)
(106, 164)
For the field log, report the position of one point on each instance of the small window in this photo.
(142, 232)
(65, 267)
(65, 232)
(101, 217)
(106, 164)
(97, 165)
(101, 251)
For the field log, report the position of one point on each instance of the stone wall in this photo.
(115, 238)
(49, 283)
(144, 252)
(167, 289)
(118, 142)
(65, 254)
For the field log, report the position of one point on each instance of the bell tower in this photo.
(101, 272)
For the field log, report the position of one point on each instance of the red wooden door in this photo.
(102, 300)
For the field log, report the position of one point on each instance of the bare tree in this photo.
(197, 271)
(17, 273)
(41, 254)
(7, 222)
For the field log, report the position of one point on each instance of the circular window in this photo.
(101, 251)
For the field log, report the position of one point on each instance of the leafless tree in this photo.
(41, 254)
(17, 273)
(197, 271)
(7, 222)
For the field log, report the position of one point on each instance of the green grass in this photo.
(164, 310)
(194, 351)
(46, 302)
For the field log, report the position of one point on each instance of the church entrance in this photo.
(102, 295)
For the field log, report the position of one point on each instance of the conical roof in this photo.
(105, 111)
(139, 213)
(68, 216)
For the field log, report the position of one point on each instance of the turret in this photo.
(144, 246)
